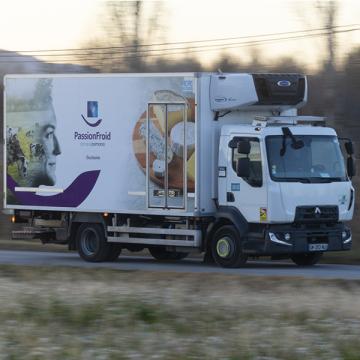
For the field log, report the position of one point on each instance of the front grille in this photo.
(317, 237)
(317, 214)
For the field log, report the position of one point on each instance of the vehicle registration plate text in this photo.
(318, 247)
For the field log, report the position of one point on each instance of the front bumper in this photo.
(287, 239)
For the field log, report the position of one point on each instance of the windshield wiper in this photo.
(311, 180)
(296, 179)
(320, 179)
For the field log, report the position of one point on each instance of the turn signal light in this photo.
(13, 219)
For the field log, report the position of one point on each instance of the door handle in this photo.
(230, 197)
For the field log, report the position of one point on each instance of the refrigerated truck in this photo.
(215, 163)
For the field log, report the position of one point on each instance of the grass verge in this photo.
(63, 313)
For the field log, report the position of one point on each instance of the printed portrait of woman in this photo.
(32, 145)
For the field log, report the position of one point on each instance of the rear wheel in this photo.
(115, 251)
(91, 243)
(226, 247)
(306, 259)
(160, 253)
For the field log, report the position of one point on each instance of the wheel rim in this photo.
(89, 242)
(224, 247)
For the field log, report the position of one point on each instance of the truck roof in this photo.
(276, 130)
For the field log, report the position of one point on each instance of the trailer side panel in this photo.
(101, 143)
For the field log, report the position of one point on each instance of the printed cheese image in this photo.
(166, 105)
(191, 168)
(177, 138)
(159, 168)
(175, 113)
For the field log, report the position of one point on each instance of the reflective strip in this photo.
(33, 189)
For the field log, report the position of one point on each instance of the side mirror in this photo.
(349, 148)
(243, 168)
(351, 169)
(244, 147)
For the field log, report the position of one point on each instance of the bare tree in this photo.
(131, 29)
(323, 14)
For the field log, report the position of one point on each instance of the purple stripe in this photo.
(72, 196)
(90, 124)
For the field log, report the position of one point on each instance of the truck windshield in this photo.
(319, 160)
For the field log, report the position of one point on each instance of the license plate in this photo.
(318, 247)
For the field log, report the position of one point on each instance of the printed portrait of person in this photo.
(32, 144)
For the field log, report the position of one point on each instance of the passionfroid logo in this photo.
(92, 114)
(92, 119)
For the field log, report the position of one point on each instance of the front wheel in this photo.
(226, 247)
(306, 259)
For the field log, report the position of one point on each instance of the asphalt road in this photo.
(256, 268)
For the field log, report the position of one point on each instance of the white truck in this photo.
(209, 162)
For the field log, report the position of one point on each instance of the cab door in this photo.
(246, 192)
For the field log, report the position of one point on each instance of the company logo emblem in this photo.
(317, 211)
(92, 114)
(283, 83)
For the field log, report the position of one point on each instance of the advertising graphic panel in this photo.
(82, 142)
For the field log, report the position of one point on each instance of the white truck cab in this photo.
(277, 184)
(284, 175)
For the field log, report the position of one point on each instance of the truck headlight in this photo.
(346, 236)
(275, 238)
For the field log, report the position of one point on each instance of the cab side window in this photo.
(254, 156)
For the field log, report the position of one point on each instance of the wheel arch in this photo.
(226, 215)
(81, 218)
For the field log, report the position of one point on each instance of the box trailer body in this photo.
(153, 159)
(100, 124)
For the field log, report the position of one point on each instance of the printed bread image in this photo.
(177, 135)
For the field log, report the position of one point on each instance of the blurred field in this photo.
(103, 314)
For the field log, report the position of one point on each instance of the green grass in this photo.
(63, 313)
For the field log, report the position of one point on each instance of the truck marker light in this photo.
(13, 219)
(106, 214)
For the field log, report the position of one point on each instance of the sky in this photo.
(62, 24)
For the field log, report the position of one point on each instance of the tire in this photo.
(91, 243)
(161, 254)
(226, 248)
(306, 259)
(178, 255)
(114, 253)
